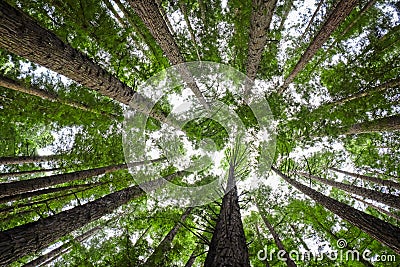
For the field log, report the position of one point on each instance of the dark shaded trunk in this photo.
(382, 231)
(18, 187)
(23, 36)
(45, 191)
(388, 183)
(35, 91)
(380, 88)
(278, 242)
(21, 173)
(157, 258)
(312, 19)
(228, 244)
(193, 256)
(378, 208)
(28, 159)
(261, 16)
(149, 13)
(336, 17)
(384, 198)
(386, 124)
(53, 254)
(45, 201)
(32, 237)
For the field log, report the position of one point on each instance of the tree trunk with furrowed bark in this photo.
(367, 178)
(23, 36)
(34, 236)
(386, 124)
(382, 231)
(339, 14)
(384, 198)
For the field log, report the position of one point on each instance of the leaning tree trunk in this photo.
(157, 258)
(45, 191)
(150, 14)
(382, 231)
(17, 187)
(379, 88)
(28, 159)
(388, 183)
(386, 124)
(337, 16)
(35, 91)
(21, 173)
(34, 236)
(384, 198)
(51, 255)
(228, 244)
(278, 242)
(261, 16)
(311, 22)
(23, 36)
(378, 208)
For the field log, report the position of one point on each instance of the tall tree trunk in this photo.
(149, 13)
(17, 187)
(34, 236)
(337, 16)
(28, 159)
(157, 258)
(45, 191)
(384, 198)
(382, 231)
(51, 255)
(35, 91)
(261, 16)
(23, 36)
(228, 244)
(383, 182)
(278, 242)
(376, 89)
(21, 173)
(386, 124)
(312, 19)
(378, 208)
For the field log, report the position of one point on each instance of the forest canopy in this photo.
(199, 133)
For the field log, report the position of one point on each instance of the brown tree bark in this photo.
(35, 91)
(228, 244)
(383, 182)
(382, 231)
(23, 36)
(386, 124)
(384, 198)
(149, 13)
(261, 16)
(379, 88)
(312, 19)
(44, 191)
(32, 237)
(378, 208)
(28, 159)
(278, 241)
(21, 173)
(337, 16)
(157, 258)
(18, 187)
(53, 254)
